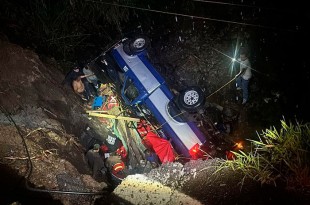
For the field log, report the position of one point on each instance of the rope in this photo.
(224, 85)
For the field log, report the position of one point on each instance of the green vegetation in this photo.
(279, 156)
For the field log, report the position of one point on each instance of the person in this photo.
(117, 170)
(79, 88)
(96, 163)
(242, 81)
(92, 78)
(73, 75)
(152, 157)
(112, 142)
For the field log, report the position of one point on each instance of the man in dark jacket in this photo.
(73, 75)
(112, 142)
(96, 163)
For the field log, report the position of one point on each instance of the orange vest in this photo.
(118, 167)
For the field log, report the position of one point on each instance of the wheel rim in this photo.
(191, 97)
(139, 43)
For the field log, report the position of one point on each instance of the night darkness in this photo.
(80, 30)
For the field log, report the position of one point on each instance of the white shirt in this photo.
(245, 65)
(89, 72)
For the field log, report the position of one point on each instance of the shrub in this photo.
(278, 156)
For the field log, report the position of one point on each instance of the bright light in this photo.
(237, 47)
(238, 145)
(193, 151)
(233, 58)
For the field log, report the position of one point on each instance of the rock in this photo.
(139, 189)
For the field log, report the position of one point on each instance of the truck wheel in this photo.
(138, 44)
(191, 99)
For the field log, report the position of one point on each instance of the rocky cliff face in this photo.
(29, 84)
(50, 118)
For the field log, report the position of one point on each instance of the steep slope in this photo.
(49, 117)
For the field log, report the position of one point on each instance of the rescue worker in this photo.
(91, 77)
(113, 146)
(112, 141)
(96, 163)
(152, 158)
(243, 79)
(72, 76)
(116, 169)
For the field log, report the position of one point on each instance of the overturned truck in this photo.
(146, 93)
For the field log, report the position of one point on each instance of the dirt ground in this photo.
(50, 118)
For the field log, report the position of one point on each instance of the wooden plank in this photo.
(96, 111)
(114, 117)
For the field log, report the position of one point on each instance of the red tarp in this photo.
(162, 147)
(151, 140)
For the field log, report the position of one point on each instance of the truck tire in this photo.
(191, 99)
(136, 45)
